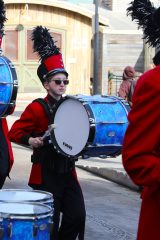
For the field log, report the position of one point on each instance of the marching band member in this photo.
(141, 148)
(51, 171)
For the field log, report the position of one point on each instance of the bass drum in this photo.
(89, 125)
(8, 86)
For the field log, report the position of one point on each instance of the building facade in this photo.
(71, 24)
(71, 27)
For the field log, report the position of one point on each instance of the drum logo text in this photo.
(67, 145)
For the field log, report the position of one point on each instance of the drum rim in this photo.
(56, 146)
(32, 216)
(47, 199)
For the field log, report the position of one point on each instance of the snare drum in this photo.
(8, 86)
(90, 125)
(22, 195)
(25, 221)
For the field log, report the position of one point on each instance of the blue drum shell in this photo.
(25, 221)
(108, 123)
(8, 86)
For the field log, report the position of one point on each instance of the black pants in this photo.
(68, 200)
(2, 180)
(4, 157)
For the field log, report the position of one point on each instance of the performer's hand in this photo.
(36, 142)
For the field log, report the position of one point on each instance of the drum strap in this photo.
(49, 111)
(56, 162)
(47, 108)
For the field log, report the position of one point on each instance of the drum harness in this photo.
(61, 165)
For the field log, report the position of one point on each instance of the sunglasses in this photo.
(58, 81)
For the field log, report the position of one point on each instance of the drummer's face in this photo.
(56, 88)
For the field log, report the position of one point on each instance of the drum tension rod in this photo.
(51, 226)
(35, 230)
(9, 230)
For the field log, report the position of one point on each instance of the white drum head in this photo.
(72, 126)
(19, 195)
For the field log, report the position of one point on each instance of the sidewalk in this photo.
(108, 168)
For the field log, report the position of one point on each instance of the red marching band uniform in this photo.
(141, 154)
(141, 147)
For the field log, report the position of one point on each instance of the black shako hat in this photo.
(50, 56)
(148, 19)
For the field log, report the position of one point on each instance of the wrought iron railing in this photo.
(114, 82)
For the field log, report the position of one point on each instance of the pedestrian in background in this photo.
(128, 77)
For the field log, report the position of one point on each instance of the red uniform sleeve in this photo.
(141, 147)
(29, 122)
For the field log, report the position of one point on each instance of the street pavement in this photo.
(108, 168)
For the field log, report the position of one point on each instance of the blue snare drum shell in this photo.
(25, 221)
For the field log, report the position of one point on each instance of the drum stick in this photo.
(52, 126)
(47, 133)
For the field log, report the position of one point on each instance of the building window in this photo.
(33, 56)
(10, 44)
(58, 39)
(30, 54)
